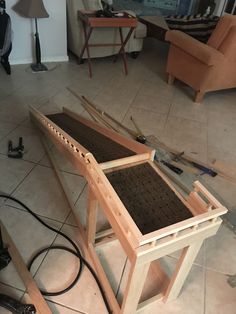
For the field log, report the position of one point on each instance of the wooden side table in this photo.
(156, 26)
(91, 21)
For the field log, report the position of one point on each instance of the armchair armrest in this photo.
(195, 48)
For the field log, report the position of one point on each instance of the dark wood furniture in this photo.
(156, 26)
(91, 21)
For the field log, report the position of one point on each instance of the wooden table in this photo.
(91, 21)
(156, 26)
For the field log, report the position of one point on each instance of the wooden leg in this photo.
(123, 51)
(171, 79)
(87, 36)
(91, 217)
(182, 270)
(134, 288)
(199, 96)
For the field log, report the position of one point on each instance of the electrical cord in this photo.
(75, 252)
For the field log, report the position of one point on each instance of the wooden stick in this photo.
(131, 132)
(155, 143)
(92, 110)
(101, 112)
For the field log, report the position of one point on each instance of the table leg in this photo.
(182, 270)
(122, 51)
(87, 36)
(122, 48)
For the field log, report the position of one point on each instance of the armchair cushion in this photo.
(199, 26)
(195, 48)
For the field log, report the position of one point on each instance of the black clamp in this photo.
(16, 152)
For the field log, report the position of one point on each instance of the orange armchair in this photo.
(204, 67)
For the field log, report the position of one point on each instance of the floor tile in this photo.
(29, 236)
(15, 171)
(62, 99)
(190, 300)
(221, 108)
(13, 109)
(155, 125)
(11, 292)
(5, 129)
(85, 296)
(200, 258)
(186, 135)
(220, 297)
(184, 107)
(223, 189)
(42, 192)
(80, 213)
(219, 256)
(33, 149)
(223, 134)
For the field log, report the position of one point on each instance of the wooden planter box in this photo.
(123, 187)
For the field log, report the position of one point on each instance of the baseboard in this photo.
(48, 59)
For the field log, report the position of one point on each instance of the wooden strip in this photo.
(31, 287)
(169, 245)
(180, 226)
(91, 224)
(104, 281)
(143, 306)
(127, 161)
(182, 270)
(200, 188)
(136, 279)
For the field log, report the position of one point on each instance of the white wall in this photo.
(52, 32)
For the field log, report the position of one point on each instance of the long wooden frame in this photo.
(141, 250)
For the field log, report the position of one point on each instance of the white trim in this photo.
(48, 59)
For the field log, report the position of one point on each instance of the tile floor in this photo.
(206, 131)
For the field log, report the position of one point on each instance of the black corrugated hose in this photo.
(75, 252)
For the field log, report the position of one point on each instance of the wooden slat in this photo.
(182, 270)
(114, 164)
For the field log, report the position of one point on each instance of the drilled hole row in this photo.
(66, 141)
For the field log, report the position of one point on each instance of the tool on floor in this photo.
(16, 152)
(204, 169)
(140, 137)
(177, 156)
(177, 170)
